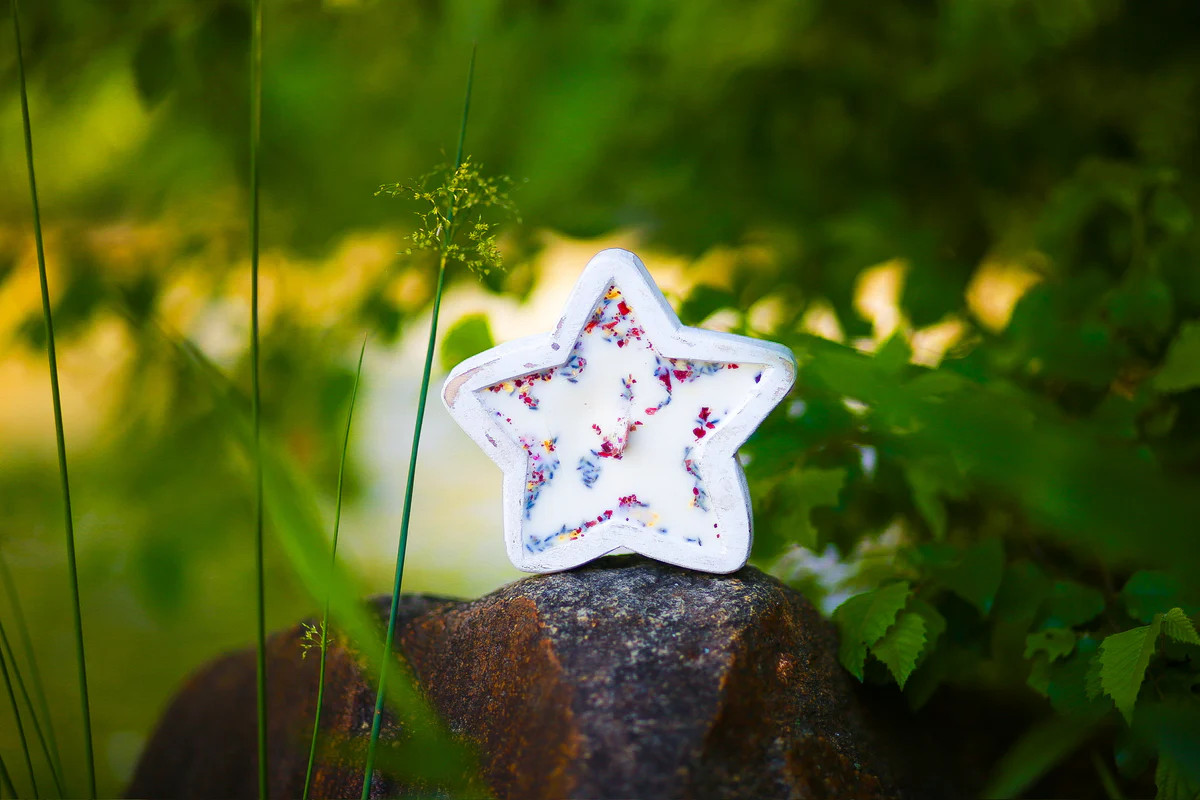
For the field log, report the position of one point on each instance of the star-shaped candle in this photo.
(619, 430)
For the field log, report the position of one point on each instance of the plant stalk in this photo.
(6, 651)
(259, 570)
(12, 699)
(447, 236)
(337, 522)
(35, 678)
(51, 354)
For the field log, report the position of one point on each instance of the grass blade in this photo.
(12, 699)
(6, 651)
(72, 571)
(35, 677)
(337, 523)
(377, 718)
(462, 128)
(259, 576)
(6, 780)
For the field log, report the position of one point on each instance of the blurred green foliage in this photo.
(1033, 491)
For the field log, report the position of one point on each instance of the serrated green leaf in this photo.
(469, 336)
(868, 616)
(1092, 683)
(1181, 369)
(864, 619)
(932, 663)
(1149, 592)
(853, 656)
(901, 646)
(935, 623)
(1071, 604)
(1179, 627)
(1172, 782)
(1056, 643)
(1123, 661)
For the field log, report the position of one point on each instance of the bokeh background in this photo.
(1002, 190)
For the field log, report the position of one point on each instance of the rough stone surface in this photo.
(626, 678)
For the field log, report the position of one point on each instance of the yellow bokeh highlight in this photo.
(877, 299)
(996, 288)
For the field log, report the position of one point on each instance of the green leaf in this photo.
(901, 646)
(977, 574)
(926, 498)
(894, 354)
(1056, 643)
(864, 619)
(1181, 369)
(469, 336)
(932, 480)
(1123, 661)
(1149, 592)
(803, 491)
(1179, 627)
(935, 623)
(928, 674)
(1172, 782)
(853, 655)
(1071, 604)
(1069, 690)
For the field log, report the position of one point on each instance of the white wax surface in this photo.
(615, 432)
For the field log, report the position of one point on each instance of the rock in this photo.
(626, 678)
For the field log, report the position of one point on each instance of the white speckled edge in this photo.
(723, 476)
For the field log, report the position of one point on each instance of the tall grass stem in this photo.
(72, 571)
(12, 699)
(6, 651)
(377, 717)
(259, 571)
(6, 780)
(35, 676)
(337, 523)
